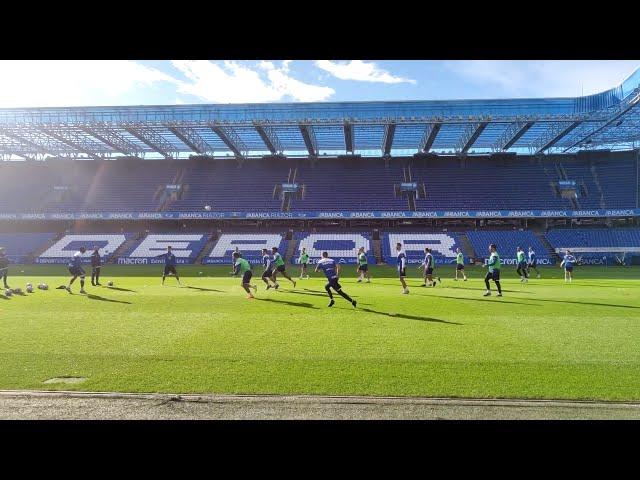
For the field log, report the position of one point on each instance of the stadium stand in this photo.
(89, 186)
(443, 246)
(507, 242)
(20, 246)
(486, 183)
(355, 184)
(224, 186)
(342, 246)
(186, 248)
(249, 244)
(596, 243)
(64, 249)
(474, 183)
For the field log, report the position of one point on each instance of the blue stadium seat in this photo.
(507, 241)
(19, 246)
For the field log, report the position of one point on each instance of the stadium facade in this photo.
(371, 170)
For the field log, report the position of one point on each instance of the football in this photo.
(110, 283)
(29, 288)
(17, 291)
(8, 292)
(207, 208)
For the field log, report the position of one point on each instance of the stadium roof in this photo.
(607, 120)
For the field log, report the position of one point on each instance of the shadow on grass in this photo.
(314, 293)
(409, 317)
(2, 297)
(585, 303)
(293, 304)
(103, 299)
(481, 289)
(119, 289)
(483, 299)
(204, 289)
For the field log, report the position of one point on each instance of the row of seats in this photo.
(507, 243)
(19, 246)
(332, 184)
(443, 246)
(341, 245)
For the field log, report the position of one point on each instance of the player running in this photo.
(428, 265)
(402, 267)
(533, 261)
(76, 270)
(494, 270)
(4, 267)
(568, 262)
(363, 266)
(96, 264)
(169, 265)
(244, 267)
(280, 268)
(522, 265)
(331, 270)
(460, 265)
(268, 269)
(303, 261)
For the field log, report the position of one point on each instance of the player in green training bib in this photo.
(494, 270)
(242, 266)
(279, 267)
(522, 265)
(460, 265)
(363, 266)
(303, 261)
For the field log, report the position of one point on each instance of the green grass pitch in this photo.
(543, 340)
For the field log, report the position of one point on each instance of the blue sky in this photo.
(84, 83)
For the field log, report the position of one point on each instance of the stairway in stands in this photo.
(562, 174)
(543, 239)
(126, 246)
(411, 196)
(287, 196)
(466, 246)
(36, 253)
(596, 180)
(213, 238)
(177, 180)
(377, 251)
(291, 248)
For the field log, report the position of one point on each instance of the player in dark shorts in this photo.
(428, 264)
(169, 265)
(533, 262)
(331, 270)
(76, 270)
(268, 268)
(494, 270)
(241, 266)
(522, 269)
(402, 267)
(460, 265)
(96, 264)
(303, 261)
(4, 267)
(568, 262)
(363, 266)
(278, 262)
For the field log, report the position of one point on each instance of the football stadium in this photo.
(429, 254)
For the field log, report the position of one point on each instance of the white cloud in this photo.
(233, 82)
(54, 83)
(360, 71)
(550, 78)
